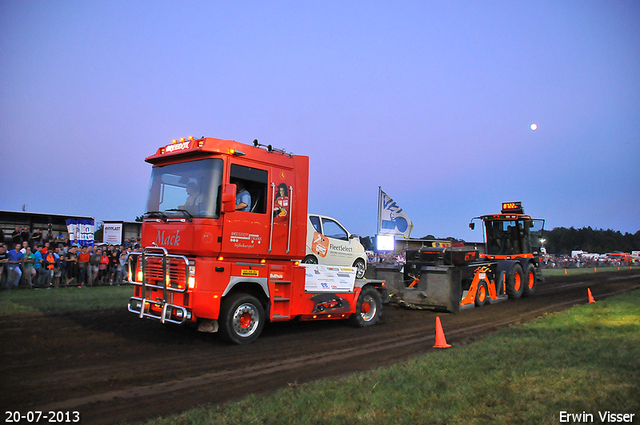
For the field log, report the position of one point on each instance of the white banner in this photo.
(112, 233)
(321, 278)
(392, 220)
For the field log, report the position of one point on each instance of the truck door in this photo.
(261, 224)
(246, 230)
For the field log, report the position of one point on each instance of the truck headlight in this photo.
(192, 275)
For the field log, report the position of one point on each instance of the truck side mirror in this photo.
(472, 226)
(229, 198)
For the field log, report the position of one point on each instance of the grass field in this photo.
(581, 361)
(63, 299)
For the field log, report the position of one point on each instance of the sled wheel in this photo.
(515, 282)
(241, 319)
(481, 294)
(530, 281)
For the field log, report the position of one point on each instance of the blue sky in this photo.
(430, 100)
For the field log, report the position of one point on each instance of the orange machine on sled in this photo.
(455, 278)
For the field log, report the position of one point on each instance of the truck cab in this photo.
(224, 233)
(328, 242)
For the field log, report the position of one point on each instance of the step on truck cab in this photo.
(224, 233)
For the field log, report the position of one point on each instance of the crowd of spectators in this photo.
(549, 261)
(567, 262)
(33, 261)
(387, 258)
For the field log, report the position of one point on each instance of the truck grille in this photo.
(152, 262)
(176, 272)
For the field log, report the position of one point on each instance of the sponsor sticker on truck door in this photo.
(321, 278)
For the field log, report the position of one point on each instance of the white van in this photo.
(329, 243)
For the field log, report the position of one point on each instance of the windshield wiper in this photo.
(155, 214)
(186, 213)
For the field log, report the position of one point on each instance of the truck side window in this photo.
(334, 230)
(254, 181)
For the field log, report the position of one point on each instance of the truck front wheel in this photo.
(368, 308)
(241, 319)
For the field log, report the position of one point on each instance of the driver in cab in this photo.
(243, 197)
(193, 197)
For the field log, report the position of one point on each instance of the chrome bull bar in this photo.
(166, 265)
(143, 308)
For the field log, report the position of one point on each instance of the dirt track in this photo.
(111, 366)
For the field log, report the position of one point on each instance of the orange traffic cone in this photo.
(591, 300)
(565, 271)
(441, 341)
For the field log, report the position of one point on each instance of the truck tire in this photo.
(368, 308)
(482, 293)
(241, 318)
(515, 282)
(361, 266)
(530, 281)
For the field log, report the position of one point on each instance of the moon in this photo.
(534, 127)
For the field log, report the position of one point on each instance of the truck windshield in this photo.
(508, 237)
(193, 187)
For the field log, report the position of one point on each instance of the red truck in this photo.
(224, 234)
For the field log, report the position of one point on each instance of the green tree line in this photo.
(561, 240)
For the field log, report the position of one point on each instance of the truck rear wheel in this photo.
(368, 308)
(515, 282)
(530, 281)
(241, 319)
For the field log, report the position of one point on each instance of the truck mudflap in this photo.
(159, 310)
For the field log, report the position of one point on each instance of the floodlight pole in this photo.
(379, 209)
